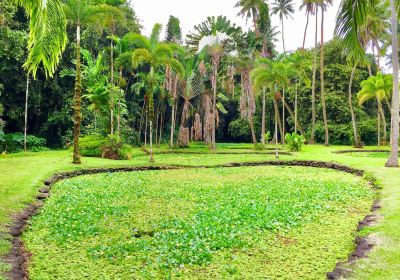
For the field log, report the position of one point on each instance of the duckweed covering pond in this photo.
(246, 222)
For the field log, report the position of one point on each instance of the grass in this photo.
(22, 174)
(198, 220)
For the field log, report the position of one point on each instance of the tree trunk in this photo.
(300, 128)
(283, 36)
(253, 134)
(26, 111)
(151, 141)
(323, 82)
(145, 132)
(383, 122)
(357, 142)
(119, 110)
(77, 99)
(283, 117)
(379, 123)
(314, 78)
(171, 139)
(215, 63)
(305, 30)
(141, 121)
(112, 88)
(295, 109)
(276, 108)
(263, 119)
(276, 135)
(161, 128)
(157, 124)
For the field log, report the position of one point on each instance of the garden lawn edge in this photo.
(18, 256)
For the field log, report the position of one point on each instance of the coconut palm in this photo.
(284, 9)
(376, 87)
(352, 15)
(79, 13)
(251, 10)
(309, 7)
(47, 34)
(323, 4)
(157, 55)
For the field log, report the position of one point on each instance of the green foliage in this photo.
(104, 146)
(91, 145)
(186, 222)
(239, 130)
(14, 142)
(294, 141)
(267, 136)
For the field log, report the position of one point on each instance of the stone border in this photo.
(183, 152)
(361, 151)
(18, 256)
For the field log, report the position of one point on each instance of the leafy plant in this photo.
(294, 141)
(14, 142)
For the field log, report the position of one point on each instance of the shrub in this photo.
(125, 152)
(239, 130)
(14, 142)
(92, 145)
(294, 141)
(267, 136)
(258, 147)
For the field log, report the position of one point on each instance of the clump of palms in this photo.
(156, 55)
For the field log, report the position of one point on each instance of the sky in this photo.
(193, 12)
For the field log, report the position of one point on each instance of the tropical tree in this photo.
(314, 80)
(352, 15)
(156, 55)
(284, 9)
(174, 31)
(309, 7)
(250, 9)
(79, 13)
(47, 34)
(377, 87)
(323, 4)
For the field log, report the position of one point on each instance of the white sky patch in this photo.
(193, 12)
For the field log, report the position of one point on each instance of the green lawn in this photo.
(22, 174)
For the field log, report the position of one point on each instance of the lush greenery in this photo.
(208, 222)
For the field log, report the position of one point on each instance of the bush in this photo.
(259, 147)
(267, 137)
(92, 145)
(14, 142)
(239, 130)
(294, 141)
(106, 147)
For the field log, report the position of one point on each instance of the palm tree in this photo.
(323, 5)
(79, 13)
(215, 45)
(47, 34)
(251, 9)
(285, 9)
(314, 80)
(309, 6)
(376, 87)
(157, 55)
(352, 15)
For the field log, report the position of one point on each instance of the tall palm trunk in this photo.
(283, 117)
(295, 108)
(383, 118)
(322, 81)
(112, 87)
(283, 36)
(276, 135)
(119, 109)
(300, 128)
(173, 115)
(379, 123)
(77, 98)
(279, 122)
(253, 133)
(215, 63)
(263, 118)
(314, 80)
(305, 30)
(26, 111)
(151, 140)
(357, 142)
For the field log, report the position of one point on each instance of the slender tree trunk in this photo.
(276, 107)
(305, 30)
(295, 109)
(161, 128)
(300, 128)
(171, 139)
(393, 160)
(157, 124)
(283, 117)
(357, 142)
(141, 121)
(77, 99)
(283, 36)
(276, 135)
(263, 119)
(383, 122)
(151, 141)
(314, 80)
(253, 134)
(145, 132)
(119, 110)
(26, 111)
(379, 123)
(112, 87)
(215, 63)
(323, 82)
